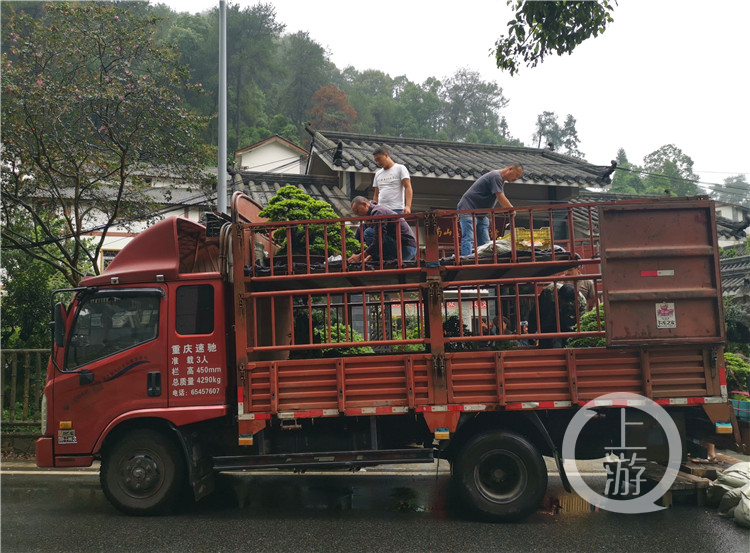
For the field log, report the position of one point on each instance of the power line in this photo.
(743, 192)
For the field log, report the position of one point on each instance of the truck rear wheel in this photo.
(501, 475)
(142, 473)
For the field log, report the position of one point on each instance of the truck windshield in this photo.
(107, 324)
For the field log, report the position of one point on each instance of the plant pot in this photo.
(741, 409)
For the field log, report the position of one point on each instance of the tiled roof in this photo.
(263, 186)
(732, 229)
(440, 159)
(725, 228)
(735, 275)
(274, 138)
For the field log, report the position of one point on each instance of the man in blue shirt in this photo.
(483, 194)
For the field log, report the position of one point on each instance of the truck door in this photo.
(196, 350)
(115, 362)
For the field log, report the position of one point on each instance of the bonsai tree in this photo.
(292, 204)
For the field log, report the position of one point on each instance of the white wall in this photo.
(273, 157)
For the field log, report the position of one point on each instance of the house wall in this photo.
(272, 157)
(118, 236)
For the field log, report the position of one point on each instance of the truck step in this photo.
(333, 459)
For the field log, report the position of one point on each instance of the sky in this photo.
(665, 72)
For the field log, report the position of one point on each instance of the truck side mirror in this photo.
(59, 324)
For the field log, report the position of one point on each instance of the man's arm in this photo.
(406, 183)
(503, 200)
(376, 194)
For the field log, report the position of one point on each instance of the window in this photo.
(112, 321)
(195, 309)
(107, 257)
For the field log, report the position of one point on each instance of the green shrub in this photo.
(412, 333)
(339, 333)
(589, 323)
(738, 372)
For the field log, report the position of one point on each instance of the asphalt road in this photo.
(383, 510)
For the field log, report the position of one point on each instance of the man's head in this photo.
(512, 172)
(382, 157)
(360, 205)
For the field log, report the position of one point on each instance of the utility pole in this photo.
(221, 188)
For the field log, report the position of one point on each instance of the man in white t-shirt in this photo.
(392, 183)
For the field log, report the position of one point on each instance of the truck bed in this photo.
(477, 380)
(651, 277)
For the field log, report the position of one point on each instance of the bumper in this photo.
(44, 455)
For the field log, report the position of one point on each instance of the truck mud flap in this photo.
(536, 421)
(200, 471)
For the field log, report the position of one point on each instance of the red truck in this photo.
(240, 344)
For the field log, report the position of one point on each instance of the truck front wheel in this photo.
(501, 475)
(142, 473)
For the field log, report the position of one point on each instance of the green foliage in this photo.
(589, 323)
(669, 170)
(28, 285)
(324, 331)
(738, 372)
(471, 104)
(291, 204)
(340, 333)
(91, 105)
(666, 171)
(737, 319)
(412, 333)
(543, 28)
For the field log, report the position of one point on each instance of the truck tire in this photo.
(142, 473)
(501, 476)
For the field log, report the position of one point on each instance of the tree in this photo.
(307, 68)
(91, 107)
(371, 93)
(668, 170)
(28, 284)
(331, 110)
(471, 104)
(542, 28)
(627, 179)
(550, 133)
(547, 129)
(570, 138)
(734, 190)
(250, 63)
(419, 109)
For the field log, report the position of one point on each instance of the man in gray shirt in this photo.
(483, 194)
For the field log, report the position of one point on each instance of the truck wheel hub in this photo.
(141, 473)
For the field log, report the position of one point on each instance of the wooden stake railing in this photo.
(22, 370)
